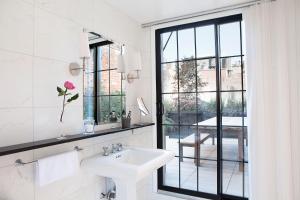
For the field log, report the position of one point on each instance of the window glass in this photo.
(230, 44)
(186, 44)
(110, 95)
(169, 46)
(205, 41)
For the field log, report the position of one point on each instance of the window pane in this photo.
(232, 140)
(232, 130)
(171, 173)
(89, 84)
(114, 52)
(244, 75)
(188, 136)
(103, 112)
(123, 103)
(232, 179)
(168, 47)
(208, 176)
(169, 77)
(232, 106)
(115, 105)
(170, 102)
(230, 39)
(188, 174)
(88, 107)
(187, 76)
(186, 44)
(103, 58)
(207, 109)
(231, 73)
(206, 74)
(188, 109)
(243, 37)
(103, 88)
(115, 82)
(246, 181)
(205, 37)
(171, 138)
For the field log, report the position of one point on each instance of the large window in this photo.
(104, 97)
(202, 108)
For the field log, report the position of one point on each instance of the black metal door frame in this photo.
(160, 109)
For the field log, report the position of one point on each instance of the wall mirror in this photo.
(142, 107)
(104, 91)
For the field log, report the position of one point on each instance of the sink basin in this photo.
(127, 167)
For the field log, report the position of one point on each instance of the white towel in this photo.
(57, 167)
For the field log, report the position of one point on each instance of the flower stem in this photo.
(63, 108)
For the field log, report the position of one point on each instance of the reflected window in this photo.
(104, 96)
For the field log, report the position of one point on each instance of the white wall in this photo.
(38, 40)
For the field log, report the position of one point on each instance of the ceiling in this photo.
(144, 11)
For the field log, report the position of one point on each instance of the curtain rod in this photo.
(203, 13)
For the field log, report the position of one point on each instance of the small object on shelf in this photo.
(126, 120)
(88, 125)
(129, 114)
(123, 114)
(113, 116)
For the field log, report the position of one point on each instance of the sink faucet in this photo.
(106, 151)
(114, 148)
(119, 147)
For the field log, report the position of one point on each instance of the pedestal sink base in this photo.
(125, 190)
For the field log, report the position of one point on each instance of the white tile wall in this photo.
(16, 73)
(46, 72)
(56, 37)
(38, 40)
(16, 125)
(17, 26)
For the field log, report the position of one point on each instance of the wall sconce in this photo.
(121, 66)
(84, 48)
(130, 62)
(84, 53)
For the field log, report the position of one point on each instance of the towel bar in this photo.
(20, 162)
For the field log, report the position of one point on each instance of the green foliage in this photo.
(188, 77)
(114, 105)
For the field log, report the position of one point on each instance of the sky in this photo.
(205, 42)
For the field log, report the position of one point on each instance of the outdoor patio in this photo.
(207, 171)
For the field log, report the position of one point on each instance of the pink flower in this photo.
(69, 85)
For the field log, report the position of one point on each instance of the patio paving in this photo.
(207, 171)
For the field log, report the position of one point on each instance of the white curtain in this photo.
(273, 80)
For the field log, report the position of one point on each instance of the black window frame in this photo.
(160, 108)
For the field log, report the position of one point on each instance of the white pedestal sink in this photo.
(127, 167)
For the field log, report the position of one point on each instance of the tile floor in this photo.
(207, 171)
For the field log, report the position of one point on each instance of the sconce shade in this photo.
(133, 60)
(121, 64)
(84, 45)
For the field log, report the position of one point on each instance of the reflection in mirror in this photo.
(104, 95)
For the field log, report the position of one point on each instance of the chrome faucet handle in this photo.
(113, 148)
(106, 151)
(119, 147)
